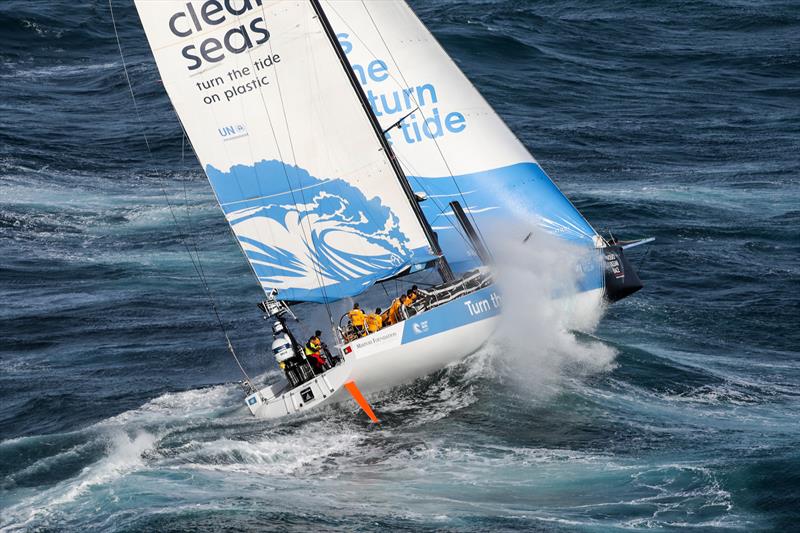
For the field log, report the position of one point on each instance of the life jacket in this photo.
(356, 317)
(314, 345)
(374, 323)
(414, 297)
(312, 351)
(407, 300)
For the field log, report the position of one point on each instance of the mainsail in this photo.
(296, 167)
(450, 141)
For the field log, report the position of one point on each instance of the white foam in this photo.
(129, 438)
(301, 451)
(536, 342)
(124, 455)
(434, 398)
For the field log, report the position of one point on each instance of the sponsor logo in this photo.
(485, 305)
(307, 394)
(614, 266)
(233, 132)
(374, 338)
(200, 19)
(477, 306)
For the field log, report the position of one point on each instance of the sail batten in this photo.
(299, 174)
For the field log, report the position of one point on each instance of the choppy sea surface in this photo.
(119, 407)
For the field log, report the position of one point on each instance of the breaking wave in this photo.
(542, 340)
(299, 231)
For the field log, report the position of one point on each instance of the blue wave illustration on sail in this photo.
(505, 195)
(313, 239)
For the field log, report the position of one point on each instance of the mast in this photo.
(474, 239)
(441, 262)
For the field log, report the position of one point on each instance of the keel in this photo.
(359, 398)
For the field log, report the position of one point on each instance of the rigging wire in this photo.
(404, 86)
(196, 264)
(435, 142)
(302, 192)
(431, 197)
(194, 240)
(259, 228)
(230, 228)
(307, 232)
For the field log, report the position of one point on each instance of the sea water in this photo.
(674, 409)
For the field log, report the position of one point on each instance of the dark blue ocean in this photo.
(119, 404)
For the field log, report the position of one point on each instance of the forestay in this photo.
(452, 143)
(287, 147)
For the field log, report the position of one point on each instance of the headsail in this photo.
(289, 152)
(451, 142)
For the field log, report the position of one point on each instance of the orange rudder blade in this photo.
(359, 398)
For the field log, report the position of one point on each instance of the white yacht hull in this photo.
(396, 355)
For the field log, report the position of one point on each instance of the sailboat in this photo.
(346, 148)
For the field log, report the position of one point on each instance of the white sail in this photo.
(289, 151)
(452, 144)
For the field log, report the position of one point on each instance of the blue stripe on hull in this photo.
(474, 307)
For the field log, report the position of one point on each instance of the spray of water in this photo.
(537, 346)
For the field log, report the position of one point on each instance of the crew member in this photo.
(313, 351)
(407, 300)
(323, 348)
(385, 317)
(394, 311)
(374, 321)
(416, 294)
(356, 316)
(316, 341)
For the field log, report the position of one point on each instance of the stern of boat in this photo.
(280, 400)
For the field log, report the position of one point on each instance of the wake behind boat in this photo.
(346, 148)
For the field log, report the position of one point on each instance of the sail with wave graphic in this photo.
(337, 150)
(313, 239)
(304, 181)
